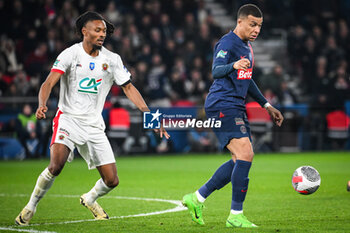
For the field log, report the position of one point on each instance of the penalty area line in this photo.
(178, 207)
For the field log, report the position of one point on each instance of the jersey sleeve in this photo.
(63, 61)
(222, 63)
(121, 74)
(255, 92)
(222, 53)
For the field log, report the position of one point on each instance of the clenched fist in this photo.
(40, 112)
(242, 64)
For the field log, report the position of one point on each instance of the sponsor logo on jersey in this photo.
(92, 65)
(241, 74)
(56, 62)
(78, 65)
(89, 85)
(63, 131)
(239, 121)
(221, 54)
(104, 66)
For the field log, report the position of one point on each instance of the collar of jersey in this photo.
(85, 53)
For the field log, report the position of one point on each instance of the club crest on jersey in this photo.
(241, 74)
(92, 66)
(243, 129)
(104, 66)
(221, 54)
(89, 85)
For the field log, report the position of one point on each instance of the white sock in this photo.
(97, 191)
(43, 184)
(236, 211)
(200, 198)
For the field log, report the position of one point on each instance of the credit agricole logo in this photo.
(89, 85)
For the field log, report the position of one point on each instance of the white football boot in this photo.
(24, 217)
(95, 208)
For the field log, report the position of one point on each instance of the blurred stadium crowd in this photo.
(167, 47)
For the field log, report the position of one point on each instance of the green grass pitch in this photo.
(271, 202)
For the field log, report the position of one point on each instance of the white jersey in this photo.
(86, 81)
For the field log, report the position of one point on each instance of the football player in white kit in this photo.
(86, 72)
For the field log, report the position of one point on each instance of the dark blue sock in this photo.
(239, 180)
(221, 177)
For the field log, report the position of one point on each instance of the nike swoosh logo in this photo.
(244, 191)
(195, 213)
(240, 224)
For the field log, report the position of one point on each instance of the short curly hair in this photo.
(90, 16)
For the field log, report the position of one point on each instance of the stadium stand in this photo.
(167, 46)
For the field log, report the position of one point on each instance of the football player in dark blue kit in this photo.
(232, 70)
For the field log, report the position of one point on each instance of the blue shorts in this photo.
(234, 124)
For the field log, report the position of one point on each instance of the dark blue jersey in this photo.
(230, 90)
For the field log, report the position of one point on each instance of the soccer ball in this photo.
(306, 180)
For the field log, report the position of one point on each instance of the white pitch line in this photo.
(178, 207)
(24, 230)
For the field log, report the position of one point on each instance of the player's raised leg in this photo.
(109, 180)
(59, 156)
(243, 151)
(194, 201)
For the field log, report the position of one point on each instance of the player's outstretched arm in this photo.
(134, 95)
(254, 91)
(44, 94)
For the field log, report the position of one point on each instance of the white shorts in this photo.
(91, 142)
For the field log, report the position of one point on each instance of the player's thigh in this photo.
(241, 148)
(65, 130)
(103, 159)
(66, 134)
(97, 150)
(58, 157)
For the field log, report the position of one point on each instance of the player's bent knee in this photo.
(55, 169)
(248, 156)
(113, 182)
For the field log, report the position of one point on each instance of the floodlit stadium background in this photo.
(301, 65)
